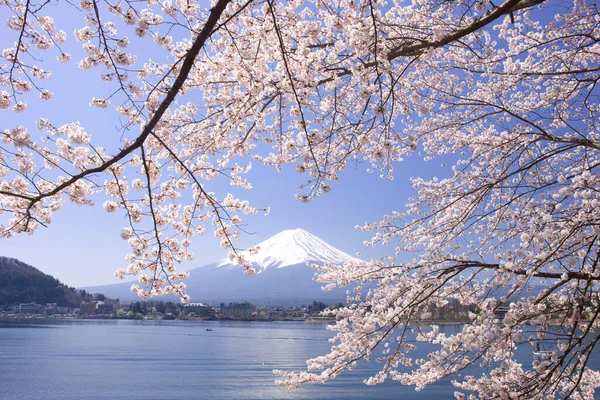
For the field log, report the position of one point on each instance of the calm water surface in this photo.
(156, 360)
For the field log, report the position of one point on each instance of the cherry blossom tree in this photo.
(502, 92)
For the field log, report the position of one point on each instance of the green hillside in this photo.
(22, 283)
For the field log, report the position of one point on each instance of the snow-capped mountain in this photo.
(283, 276)
(289, 248)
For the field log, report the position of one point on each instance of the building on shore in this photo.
(51, 308)
(30, 308)
(64, 310)
(236, 310)
(500, 312)
(199, 310)
(104, 308)
(88, 308)
(196, 308)
(115, 303)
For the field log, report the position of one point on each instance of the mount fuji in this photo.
(290, 248)
(282, 275)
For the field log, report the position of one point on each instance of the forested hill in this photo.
(22, 283)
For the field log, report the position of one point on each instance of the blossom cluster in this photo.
(504, 97)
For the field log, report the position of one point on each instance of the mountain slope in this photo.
(22, 283)
(283, 276)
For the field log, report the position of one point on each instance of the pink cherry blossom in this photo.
(502, 95)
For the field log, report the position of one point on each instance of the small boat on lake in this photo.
(208, 330)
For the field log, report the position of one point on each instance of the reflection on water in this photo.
(156, 360)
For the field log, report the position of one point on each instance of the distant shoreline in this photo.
(309, 320)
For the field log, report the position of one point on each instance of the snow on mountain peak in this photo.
(292, 247)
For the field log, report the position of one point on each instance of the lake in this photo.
(155, 360)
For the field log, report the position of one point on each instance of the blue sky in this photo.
(82, 246)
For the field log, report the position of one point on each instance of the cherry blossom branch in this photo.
(564, 277)
(187, 64)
